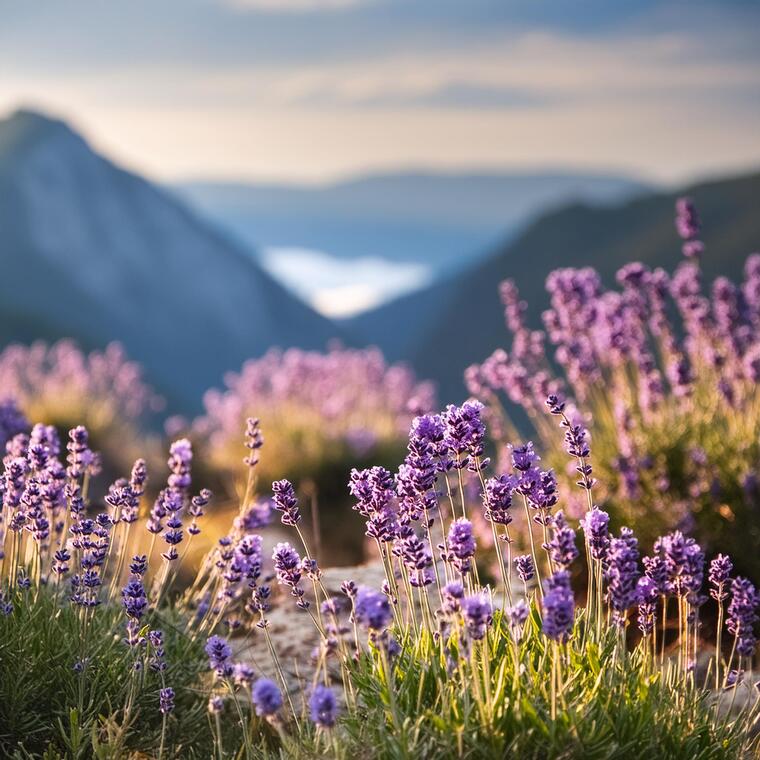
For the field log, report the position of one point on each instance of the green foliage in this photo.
(497, 703)
(47, 709)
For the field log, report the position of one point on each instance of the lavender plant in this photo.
(664, 376)
(325, 410)
(440, 661)
(59, 383)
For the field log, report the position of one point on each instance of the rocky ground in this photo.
(292, 630)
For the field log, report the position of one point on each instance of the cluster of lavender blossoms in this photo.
(53, 536)
(421, 521)
(104, 390)
(344, 405)
(657, 366)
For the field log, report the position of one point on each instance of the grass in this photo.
(46, 708)
(498, 703)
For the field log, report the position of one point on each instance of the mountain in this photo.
(459, 321)
(95, 252)
(442, 220)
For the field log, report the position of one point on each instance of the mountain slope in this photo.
(437, 219)
(460, 321)
(98, 253)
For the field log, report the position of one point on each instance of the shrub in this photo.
(322, 410)
(322, 413)
(673, 405)
(62, 385)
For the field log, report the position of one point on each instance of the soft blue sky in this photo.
(312, 89)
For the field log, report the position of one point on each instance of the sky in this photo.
(313, 90)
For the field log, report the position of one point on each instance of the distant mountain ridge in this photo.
(443, 220)
(454, 323)
(92, 251)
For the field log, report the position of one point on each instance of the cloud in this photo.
(532, 71)
(453, 95)
(292, 6)
(318, 95)
(338, 287)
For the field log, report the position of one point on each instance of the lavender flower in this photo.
(742, 615)
(373, 490)
(461, 544)
(180, 460)
(62, 558)
(254, 440)
(477, 612)
(285, 501)
(349, 588)
(372, 609)
(157, 661)
(524, 458)
(561, 547)
(688, 227)
(540, 489)
(166, 700)
(416, 477)
(134, 599)
(139, 565)
(497, 499)
(382, 525)
(465, 434)
(525, 568)
(79, 456)
(576, 441)
(215, 704)
(288, 568)
(596, 529)
(6, 607)
(558, 606)
(648, 594)
(323, 706)
(429, 434)
(266, 697)
(219, 655)
(719, 574)
(656, 568)
(684, 561)
(417, 557)
(555, 404)
(197, 506)
(576, 444)
(622, 574)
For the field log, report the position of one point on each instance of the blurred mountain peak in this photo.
(95, 252)
(26, 128)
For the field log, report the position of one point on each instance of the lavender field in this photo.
(587, 592)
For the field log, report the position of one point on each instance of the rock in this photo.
(292, 631)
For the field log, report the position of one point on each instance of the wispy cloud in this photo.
(529, 71)
(340, 86)
(447, 95)
(292, 6)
